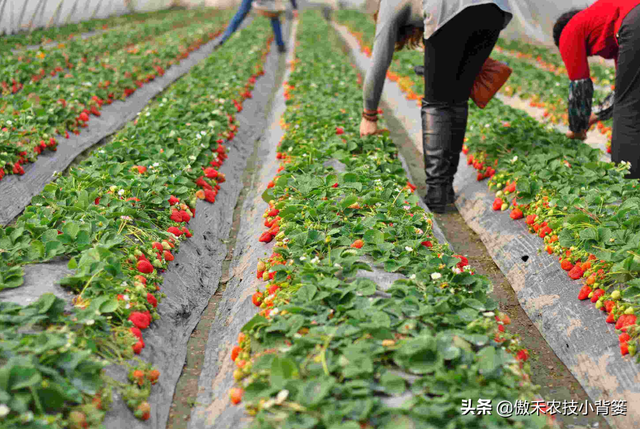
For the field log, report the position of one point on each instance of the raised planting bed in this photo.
(507, 140)
(366, 320)
(37, 119)
(116, 221)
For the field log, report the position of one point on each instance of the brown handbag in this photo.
(493, 75)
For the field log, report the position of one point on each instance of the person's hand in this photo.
(582, 135)
(593, 119)
(368, 127)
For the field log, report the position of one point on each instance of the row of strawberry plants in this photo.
(328, 346)
(579, 205)
(548, 58)
(119, 217)
(72, 31)
(23, 70)
(30, 121)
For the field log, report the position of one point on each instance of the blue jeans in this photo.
(241, 14)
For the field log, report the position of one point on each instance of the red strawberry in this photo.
(137, 347)
(157, 246)
(273, 213)
(463, 261)
(427, 244)
(210, 196)
(266, 237)
(140, 320)
(257, 299)
(357, 244)
(176, 216)
(96, 201)
(624, 337)
(522, 355)
(576, 272)
(136, 331)
(153, 376)
(597, 294)
(141, 169)
(144, 266)
(629, 320)
(584, 292)
(516, 214)
(497, 204)
(152, 300)
(339, 130)
(83, 117)
(259, 275)
(236, 395)
(335, 185)
(17, 169)
(531, 219)
(186, 217)
(173, 200)
(608, 306)
(235, 352)
(271, 184)
(175, 231)
(273, 289)
(611, 318)
(566, 265)
(168, 256)
(186, 232)
(510, 187)
(624, 348)
(210, 173)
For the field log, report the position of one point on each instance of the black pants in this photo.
(625, 143)
(454, 55)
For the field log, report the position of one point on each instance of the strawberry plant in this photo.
(329, 347)
(118, 217)
(580, 206)
(30, 120)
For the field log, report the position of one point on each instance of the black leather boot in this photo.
(443, 130)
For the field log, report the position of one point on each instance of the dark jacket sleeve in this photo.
(580, 99)
(294, 4)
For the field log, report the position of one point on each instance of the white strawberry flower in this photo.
(408, 249)
(4, 410)
(436, 276)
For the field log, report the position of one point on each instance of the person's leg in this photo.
(277, 32)
(237, 19)
(453, 59)
(625, 142)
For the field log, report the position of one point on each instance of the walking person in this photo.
(611, 30)
(458, 36)
(268, 6)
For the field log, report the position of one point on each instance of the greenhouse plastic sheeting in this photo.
(23, 15)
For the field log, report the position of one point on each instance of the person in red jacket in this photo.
(611, 30)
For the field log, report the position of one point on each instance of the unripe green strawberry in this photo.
(632, 349)
(599, 304)
(156, 263)
(504, 206)
(499, 194)
(137, 252)
(615, 295)
(280, 236)
(629, 310)
(166, 246)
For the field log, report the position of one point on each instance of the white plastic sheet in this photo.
(26, 15)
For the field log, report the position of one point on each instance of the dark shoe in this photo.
(282, 49)
(436, 198)
(443, 130)
(419, 70)
(451, 195)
